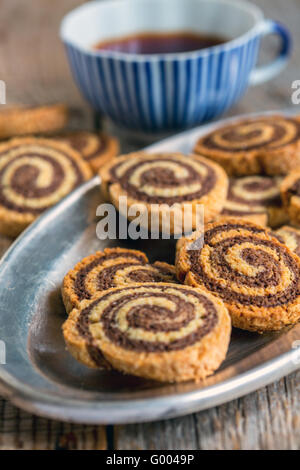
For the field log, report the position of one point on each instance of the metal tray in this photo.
(41, 377)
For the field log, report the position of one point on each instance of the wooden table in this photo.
(35, 70)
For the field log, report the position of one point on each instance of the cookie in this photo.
(290, 194)
(96, 149)
(19, 121)
(113, 267)
(34, 175)
(290, 236)
(256, 276)
(263, 145)
(257, 199)
(165, 186)
(164, 332)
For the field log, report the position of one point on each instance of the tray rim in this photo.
(165, 407)
(149, 408)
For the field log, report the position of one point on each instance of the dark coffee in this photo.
(160, 43)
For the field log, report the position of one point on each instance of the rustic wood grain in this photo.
(32, 57)
(267, 419)
(35, 70)
(20, 430)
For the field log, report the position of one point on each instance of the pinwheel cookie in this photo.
(290, 194)
(256, 276)
(19, 121)
(96, 149)
(34, 175)
(290, 236)
(160, 331)
(257, 199)
(166, 186)
(266, 144)
(113, 267)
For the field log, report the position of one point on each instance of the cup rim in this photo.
(245, 5)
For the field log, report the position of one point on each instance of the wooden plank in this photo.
(20, 430)
(267, 419)
(260, 420)
(32, 57)
(179, 433)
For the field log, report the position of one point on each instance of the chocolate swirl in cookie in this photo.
(261, 145)
(36, 174)
(114, 267)
(96, 149)
(271, 132)
(87, 143)
(166, 184)
(247, 268)
(150, 318)
(290, 194)
(164, 178)
(252, 195)
(160, 331)
(246, 262)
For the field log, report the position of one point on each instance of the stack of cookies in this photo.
(173, 323)
(37, 172)
(135, 317)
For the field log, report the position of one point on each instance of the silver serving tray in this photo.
(41, 377)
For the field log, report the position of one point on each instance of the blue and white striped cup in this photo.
(166, 92)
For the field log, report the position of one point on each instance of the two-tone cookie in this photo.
(257, 199)
(263, 145)
(290, 236)
(95, 149)
(160, 331)
(34, 175)
(256, 276)
(290, 194)
(28, 120)
(166, 186)
(113, 267)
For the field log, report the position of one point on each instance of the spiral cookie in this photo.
(113, 267)
(34, 175)
(267, 144)
(18, 121)
(290, 236)
(163, 185)
(257, 199)
(256, 276)
(290, 194)
(96, 149)
(160, 331)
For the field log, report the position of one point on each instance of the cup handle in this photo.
(266, 72)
